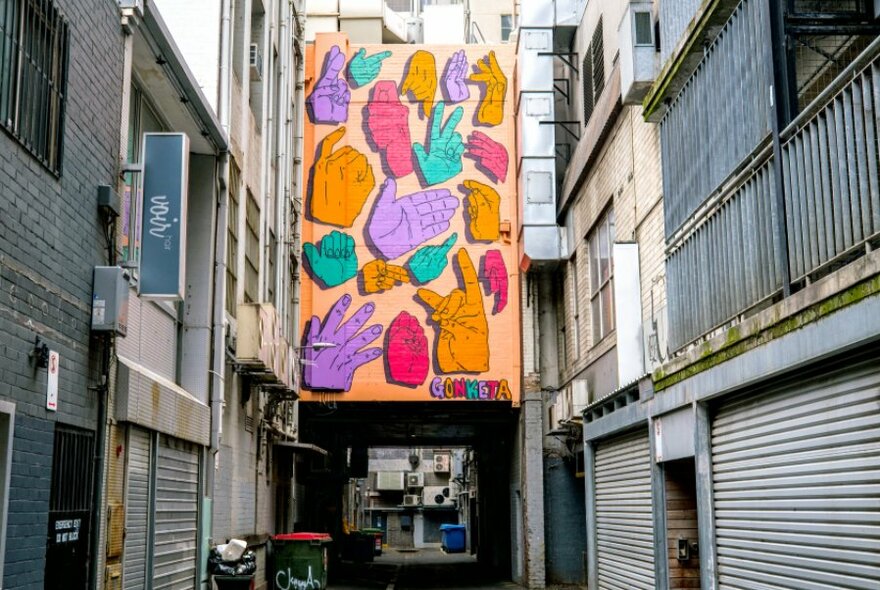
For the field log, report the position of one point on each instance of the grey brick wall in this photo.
(50, 239)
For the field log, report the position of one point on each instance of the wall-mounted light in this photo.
(40, 354)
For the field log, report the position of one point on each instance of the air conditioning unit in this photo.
(389, 481)
(412, 500)
(638, 55)
(441, 463)
(255, 58)
(438, 496)
(415, 480)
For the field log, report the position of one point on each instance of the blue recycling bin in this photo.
(452, 538)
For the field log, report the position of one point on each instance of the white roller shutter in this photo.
(796, 480)
(137, 510)
(624, 520)
(177, 515)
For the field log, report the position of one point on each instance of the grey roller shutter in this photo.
(177, 515)
(796, 481)
(137, 510)
(624, 520)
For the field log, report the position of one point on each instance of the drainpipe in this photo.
(297, 171)
(218, 385)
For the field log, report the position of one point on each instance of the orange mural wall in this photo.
(410, 286)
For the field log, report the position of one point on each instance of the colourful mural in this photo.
(411, 290)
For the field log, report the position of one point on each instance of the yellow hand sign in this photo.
(341, 183)
(463, 343)
(421, 79)
(491, 111)
(380, 276)
(483, 204)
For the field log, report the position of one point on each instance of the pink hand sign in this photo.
(453, 81)
(332, 349)
(397, 226)
(407, 351)
(495, 272)
(329, 100)
(388, 123)
(490, 156)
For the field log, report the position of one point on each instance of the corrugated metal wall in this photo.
(152, 337)
(796, 480)
(675, 17)
(175, 554)
(624, 516)
(138, 509)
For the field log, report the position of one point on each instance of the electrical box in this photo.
(110, 300)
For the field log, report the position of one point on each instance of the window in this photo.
(644, 29)
(506, 26)
(7, 428)
(252, 250)
(593, 72)
(232, 242)
(574, 318)
(601, 277)
(33, 77)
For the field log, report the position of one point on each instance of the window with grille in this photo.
(601, 277)
(252, 251)
(644, 29)
(232, 241)
(593, 72)
(34, 43)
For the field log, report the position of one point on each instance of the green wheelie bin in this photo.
(300, 561)
(377, 543)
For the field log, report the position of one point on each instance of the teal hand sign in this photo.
(429, 262)
(333, 260)
(362, 69)
(443, 161)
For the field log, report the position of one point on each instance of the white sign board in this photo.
(52, 384)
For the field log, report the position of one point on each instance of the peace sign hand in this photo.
(463, 341)
(446, 147)
(362, 69)
(329, 100)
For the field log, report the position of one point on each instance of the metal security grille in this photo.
(796, 476)
(624, 520)
(33, 76)
(135, 559)
(175, 552)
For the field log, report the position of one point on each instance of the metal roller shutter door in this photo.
(796, 481)
(137, 510)
(624, 519)
(177, 515)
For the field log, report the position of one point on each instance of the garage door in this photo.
(137, 509)
(796, 480)
(624, 521)
(177, 515)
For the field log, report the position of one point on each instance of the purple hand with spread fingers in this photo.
(397, 226)
(329, 100)
(332, 351)
(453, 80)
(491, 156)
(496, 275)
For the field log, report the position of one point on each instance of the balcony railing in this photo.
(727, 263)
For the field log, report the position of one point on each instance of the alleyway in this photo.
(423, 568)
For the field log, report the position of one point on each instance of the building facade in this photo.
(749, 460)
(59, 106)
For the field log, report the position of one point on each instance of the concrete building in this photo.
(752, 460)
(59, 110)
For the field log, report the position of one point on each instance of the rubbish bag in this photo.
(245, 565)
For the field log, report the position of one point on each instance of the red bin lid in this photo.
(303, 537)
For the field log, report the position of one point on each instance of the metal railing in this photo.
(727, 263)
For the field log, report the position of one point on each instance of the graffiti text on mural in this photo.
(470, 389)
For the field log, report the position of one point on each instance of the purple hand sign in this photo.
(496, 277)
(397, 226)
(490, 156)
(332, 351)
(329, 100)
(453, 80)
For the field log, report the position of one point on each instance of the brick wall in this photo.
(50, 239)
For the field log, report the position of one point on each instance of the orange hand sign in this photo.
(483, 204)
(463, 343)
(380, 276)
(342, 181)
(421, 79)
(491, 111)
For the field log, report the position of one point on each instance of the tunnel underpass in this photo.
(480, 440)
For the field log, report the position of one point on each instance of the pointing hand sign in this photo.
(362, 69)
